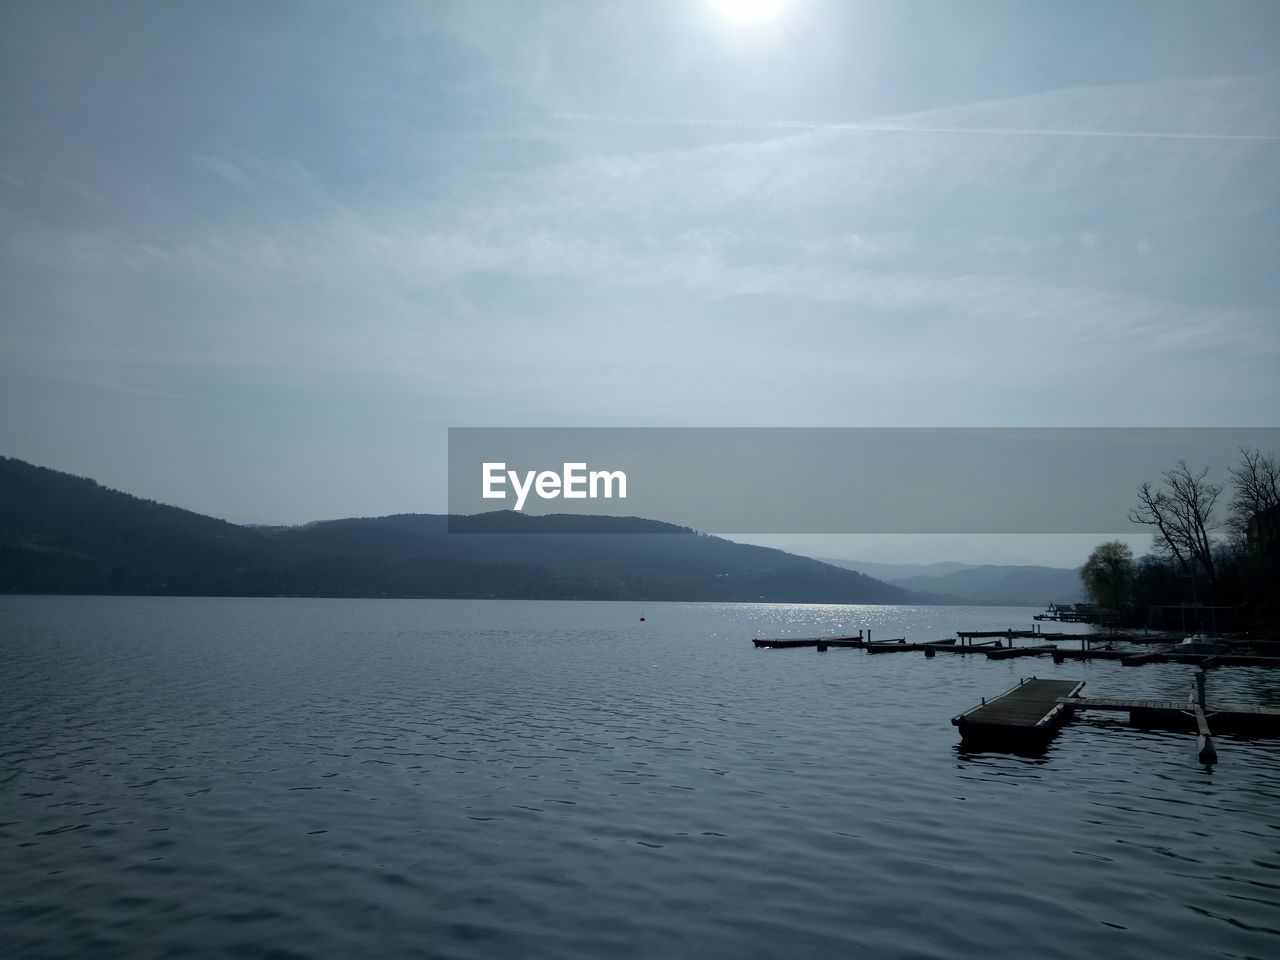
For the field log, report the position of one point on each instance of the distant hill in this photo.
(950, 582)
(898, 571)
(65, 534)
(996, 584)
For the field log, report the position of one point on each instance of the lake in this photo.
(500, 779)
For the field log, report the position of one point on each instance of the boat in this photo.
(1202, 643)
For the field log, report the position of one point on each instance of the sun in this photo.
(749, 11)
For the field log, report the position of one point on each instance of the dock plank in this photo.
(1182, 706)
(1006, 653)
(1032, 708)
(783, 643)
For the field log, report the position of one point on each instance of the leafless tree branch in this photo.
(1182, 513)
(1256, 479)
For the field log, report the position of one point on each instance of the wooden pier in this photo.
(894, 646)
(1130, 658)
(968, 635)
(783, 643)
(1009, 652)
(1071, 613)
(821, 643)
(1135, 638)
(1172, 714)
(1029, 714)
(1025, 716)
(1001, 645)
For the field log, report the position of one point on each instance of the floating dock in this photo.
(1001, 645)
(860, 641)
(899, 646)
(1008, 652)
(1181, 714)
(966, 636)
(1130, 658)
(1027, 715)
(783, 643)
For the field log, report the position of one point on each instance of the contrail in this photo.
(902, 128)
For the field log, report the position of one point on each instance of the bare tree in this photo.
(1256, 479)
(1108, 575)
(1182, 513)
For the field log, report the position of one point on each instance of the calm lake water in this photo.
(350, 779)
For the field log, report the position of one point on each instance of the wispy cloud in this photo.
(1074, 222)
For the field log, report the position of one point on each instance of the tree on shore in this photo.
(1255, 525)
(1108, 575)
(1236, 559)
(1256, 479)
(1182, 512)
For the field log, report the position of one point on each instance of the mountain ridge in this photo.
(61, 533)
(979, 583)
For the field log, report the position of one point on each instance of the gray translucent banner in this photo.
(831, 480)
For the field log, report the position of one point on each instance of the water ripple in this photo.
(238, 778)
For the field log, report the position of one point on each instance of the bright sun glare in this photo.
(749, 11)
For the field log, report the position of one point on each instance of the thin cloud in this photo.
(856, 127)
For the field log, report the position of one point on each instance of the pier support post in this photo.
(1205, 750)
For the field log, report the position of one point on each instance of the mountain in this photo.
(898, 571)
(65, 534)
(996, 584)
(950, 582)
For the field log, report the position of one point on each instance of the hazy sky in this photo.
(256, 258)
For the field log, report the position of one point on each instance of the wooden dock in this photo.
(967, 637)
(894, 646)
(1009, 652)
(1026, 715)
(1131, 658)
(1134, 638)
(950, 646)
(1172, 714)
(783, 643)
(1000, 645)
(821, 643)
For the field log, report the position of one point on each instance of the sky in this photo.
(255, 259)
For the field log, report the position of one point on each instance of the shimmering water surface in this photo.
(348, 779)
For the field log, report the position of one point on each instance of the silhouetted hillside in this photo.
(890, 572)
(65, 534)
(999, 584)
(988, 583)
